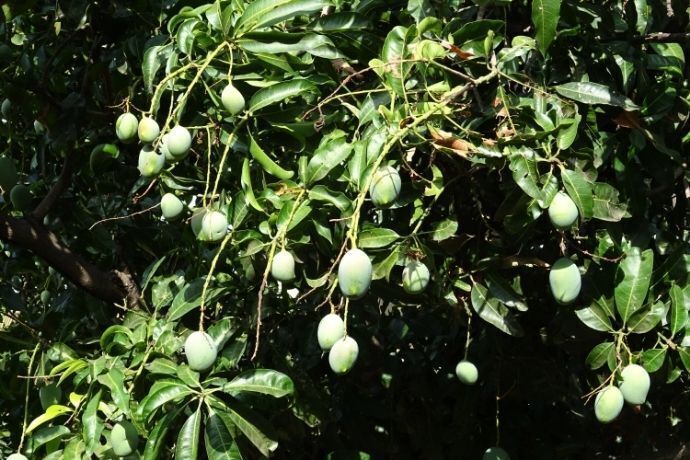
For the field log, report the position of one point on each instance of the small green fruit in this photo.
(467, 372)
(232, 100)
(385, 187)
(635, 384)
(608, 404)
(283, 266)
(126, 127)
(171, 206)
(124, 439)
(148, 130)
(563, 211)
(495, 453)
(415, 277)
(6, 108)
(49, 395)
(45, 297)
(565, 281)
(343, 355)
(102, 156)
(20, 196)
(178, 141)
(214, 226)
(354, 274)
(8, 174)
(39, 129)
(150, 162)
(17, 457)
(200, 350)
(331, 329)
(197, 218)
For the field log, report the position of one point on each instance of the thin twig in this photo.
(109, 219)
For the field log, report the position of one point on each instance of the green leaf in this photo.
(653, 359)
(545, 16)
(568, 134)
(265, 13)
(332, 151)
(595, 318)
(236, 414)
(679, 310)
(218, 440)
(580, 190)
(246, 182)
(393, 53)
(523, 164)
(594, 93)
(189, 298)
(383, 268)
(156, 437)
(314, 44)
(187, 445)
(153, 59)
(264, 381)
(644, 12)
(370, 238)
(633, 277)
(598, 356)
(646, 319)
(114, 380)
(50, 413)
(444, 229)
(684, 353)
(494, 312)
(606, 204)
(323, 193)
(91, 425)
(162, 391)
(266, 162)
(279, 92)
(502, 291)
(45, 435)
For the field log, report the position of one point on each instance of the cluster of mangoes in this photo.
(633, 388)
(19, 194)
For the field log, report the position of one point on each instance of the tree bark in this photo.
(111, 286)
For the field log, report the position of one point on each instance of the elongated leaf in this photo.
(502, 291)
(114, 380)
(646, 319)
(91, 425)
(247, 186)
(315, 44)
(580, 190)
(153, 59)
(599, 355)
(219, 442)
(679, 310)
(187, 445)
(159, 395)
(634, 275)
(545, 16)
(523, 164)
(494, 312)
(156, 437)
(246, 420)
(392, 54)
(50, 413)
(376, 237)
(189, 298)
(265, 13)
(444, 229)
(332, 151)
(264, 381)
(45, 435)
(653, 359)
(595, 318)
(279, 92)
(594, 93)
(566, 136)
(323, 193)
(684, 353)
(606, 204)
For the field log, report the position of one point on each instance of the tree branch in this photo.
(663, 37)
(110, 286)
(58, 188)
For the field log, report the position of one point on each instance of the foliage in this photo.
(486, 110)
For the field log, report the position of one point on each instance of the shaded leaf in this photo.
(494, 312)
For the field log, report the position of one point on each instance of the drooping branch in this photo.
(111, 286)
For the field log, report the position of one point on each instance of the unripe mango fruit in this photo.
(195, 221)
(467, 372)
(124, 439)
(20, 196)
(200, 350)
(343, 355)
(171, 206)
(495, 453)
(283, 266)
(608, 404)
(17, 457)
(565, 281)
(635, 384)
(178, 141)
(354, 273)
(563, 211)
(8, 174)
(331, 329)
(385, 187)
(232, 99)
(214, 226)
(148, 130)
(126, 127)
(415, 277)
(150, 162)
(6, 108)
